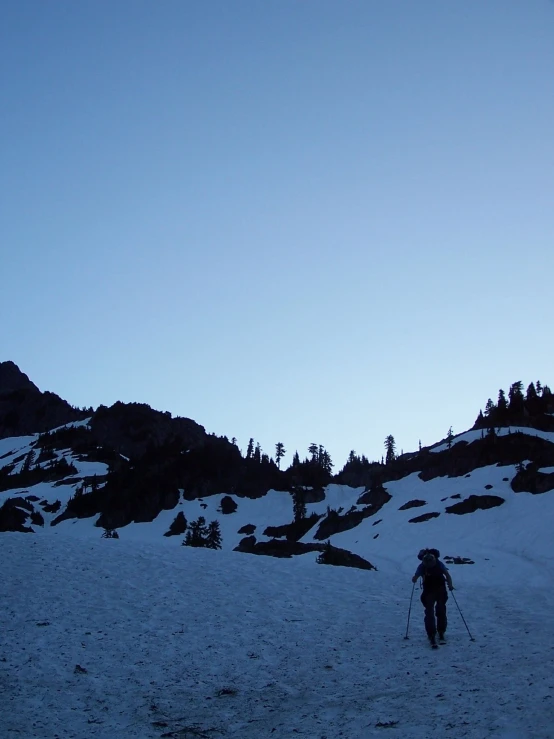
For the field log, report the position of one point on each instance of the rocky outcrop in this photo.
(12, 378)
(412, 504)
(293, 531)
(134, 428)
(277, 548)
(424, 517)
(14, 515)
(531, 480)
(475, 503)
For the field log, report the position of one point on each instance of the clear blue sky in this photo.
(297, 220)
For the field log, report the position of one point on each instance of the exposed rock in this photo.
(295, 530)
(37, 519)
(228, 505)
(424, 517)
(331, 555)
(248, 529)
(334, 523)
(12, 378)
(475, 503)
(24, 409)
(275, 548)
(458, 560)
(531, 480)
(132, 428)
(13, 517)
(178, 526)
(412, 504)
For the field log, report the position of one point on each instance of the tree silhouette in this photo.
(280, 452)
(213, 536)
(390, 446)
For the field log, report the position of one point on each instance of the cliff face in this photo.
(24, 409)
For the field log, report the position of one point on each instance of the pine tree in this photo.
(280, 452)
(390, 446)
(250, 449)
(213, 536)
(324, 459)
(197, 533)
(515, 395)
(449, 437)
(296, 460)
(313, 451)
(298, 504)
(258, 453)
(539, 387)
(502, 402)
(489, 407)
(531, 393)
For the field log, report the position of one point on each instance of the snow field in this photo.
(245, 647)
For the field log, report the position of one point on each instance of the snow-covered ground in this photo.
(475, 434)
(118, 639)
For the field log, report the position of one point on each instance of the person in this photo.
(435, 577)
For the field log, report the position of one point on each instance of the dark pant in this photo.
(434, 602)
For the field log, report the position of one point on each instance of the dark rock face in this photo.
(412, 504)
(24, 409)
(275, 548)
(228, 505)
(458, 560)
(12, 378)
(424, 517)
(334, 523)
(293, 531)
(14, 514)
(533, 481)
(133, 428)
(376, 497)
(475, 503)
(248, 529)
(179, 525)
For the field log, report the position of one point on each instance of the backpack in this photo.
(433, 577)
(423, 552)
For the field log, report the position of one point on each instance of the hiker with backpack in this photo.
(435, 577)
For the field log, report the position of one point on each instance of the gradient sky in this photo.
(297, 220)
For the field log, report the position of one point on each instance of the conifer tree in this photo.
(250, 449)
(390, 447)
(449, 437)
(325, 461)
(213, 536)
(313, 451)
(298, 504)
(515, 395)
(502, 404)
(196, 534)
(258, 453)
(280, 452)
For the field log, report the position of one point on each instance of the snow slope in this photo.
(141, 637)
(105, 639)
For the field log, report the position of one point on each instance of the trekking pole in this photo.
(409, 611)
(462, 615)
